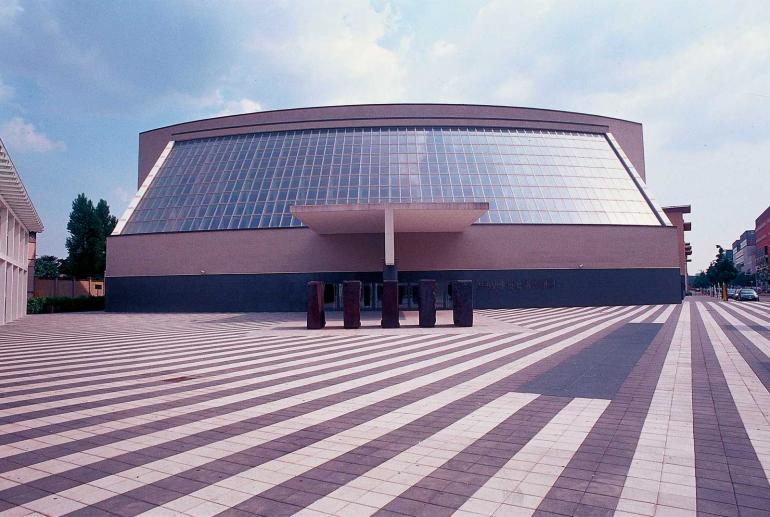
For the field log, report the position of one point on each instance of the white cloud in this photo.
(9, 10)
(21, 136)
(240, 106)
(122, 195)
(442, 48)
(213, 103)
(330, 52)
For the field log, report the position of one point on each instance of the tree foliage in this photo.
(700, 281)
(721, 271)
(89, 227)
(47, 266)
(743, 279)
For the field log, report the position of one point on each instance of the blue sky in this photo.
(80, 79)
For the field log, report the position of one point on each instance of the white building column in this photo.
(390, 252)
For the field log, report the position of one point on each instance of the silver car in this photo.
(749, 295)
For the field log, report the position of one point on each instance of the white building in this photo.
(19, 223)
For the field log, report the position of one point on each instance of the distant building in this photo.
(19, 223)
(675, 214)
(744, 253)
(762, 239)
(537, 207)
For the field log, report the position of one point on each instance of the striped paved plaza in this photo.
(643, 410)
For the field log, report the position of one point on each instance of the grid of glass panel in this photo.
(250, 181)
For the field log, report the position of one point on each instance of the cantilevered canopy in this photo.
(407, 217)
(15, 195)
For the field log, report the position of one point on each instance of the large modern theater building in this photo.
(536, 207)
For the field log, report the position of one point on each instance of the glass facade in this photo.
(527, 177)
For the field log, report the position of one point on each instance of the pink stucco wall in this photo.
(628, 134)
(478, 247)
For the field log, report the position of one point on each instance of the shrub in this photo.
(62, 304)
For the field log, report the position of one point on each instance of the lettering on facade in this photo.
(517, 285)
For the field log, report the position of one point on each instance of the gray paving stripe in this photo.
(37, 432)
(757, 311)
(197, 414)
(184, 387)
(756, 359)
(125, 357)
(599, 370)
(445, 490)
(192, 480)
(238, 357)
(236, 428)
(162, 361)
(140, 338)
(189, 481)
(79, 346)
(130, 460)
(729, 477)
(657, 313)
(592, 481)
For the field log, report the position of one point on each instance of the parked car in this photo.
(731, 292)
(748, 295)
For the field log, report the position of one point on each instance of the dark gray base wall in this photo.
(492, 289)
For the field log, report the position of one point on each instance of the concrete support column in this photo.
(390, 252)
(389, 273)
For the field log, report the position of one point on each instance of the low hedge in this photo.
(48, 304)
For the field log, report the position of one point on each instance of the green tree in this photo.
(743, 279)
(700, 281)
(47, 266)
(721, 271)
(107, 223)
(89, 227)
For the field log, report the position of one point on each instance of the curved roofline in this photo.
(629, 134)
(391, 104)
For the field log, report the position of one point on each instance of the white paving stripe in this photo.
(754, 310)
(380, 349)
(98, 453)
(197, 367)
(540, 322)
(234, 416)
(275, 472)
(512, 315)
(214, 350)
(640, 319)
(60, 342)
(661, 478)
(164, 351)
(417, 461)
(103, 427)
(43, 421)
(184, 461)
(754, 337)
(522, 483)
(546, 315)
(665, 314)
(749, 394)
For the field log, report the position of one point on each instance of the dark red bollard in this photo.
(351, 299)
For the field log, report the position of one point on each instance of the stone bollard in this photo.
(390, 304)
(427, 303)
(462, 303)
(316, 316)
(351, 300)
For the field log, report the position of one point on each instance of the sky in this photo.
(79, 80)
